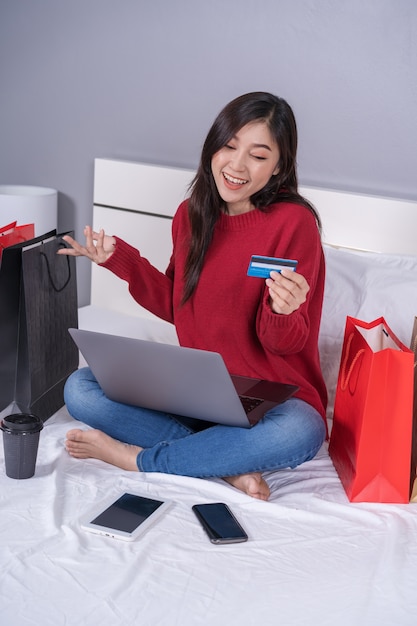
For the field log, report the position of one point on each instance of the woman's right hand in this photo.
(98, 246)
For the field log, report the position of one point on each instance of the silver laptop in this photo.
(173, 379)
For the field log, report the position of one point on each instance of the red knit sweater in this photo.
(229, 311)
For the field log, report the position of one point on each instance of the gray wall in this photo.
(144, 79)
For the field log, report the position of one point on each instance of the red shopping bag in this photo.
(413, 473)
(370, 441)
(7, 228)
(11, 234)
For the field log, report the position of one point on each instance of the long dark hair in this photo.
(205, 204)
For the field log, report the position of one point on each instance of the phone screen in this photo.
(127, 513)
(219, 523)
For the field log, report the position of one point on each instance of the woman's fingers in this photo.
(287, 290)
(98, 247)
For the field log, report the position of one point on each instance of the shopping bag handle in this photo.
(345, 376)
(48, 267)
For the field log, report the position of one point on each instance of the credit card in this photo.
(262, 266)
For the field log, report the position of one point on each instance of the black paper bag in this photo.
(10, 285)
(45, 354)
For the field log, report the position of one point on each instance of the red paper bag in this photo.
(370, 442)
(7, 229)
(11, 234)
(413, 473)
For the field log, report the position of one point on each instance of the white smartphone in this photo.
(125, 517)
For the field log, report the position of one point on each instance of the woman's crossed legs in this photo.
(138, 439)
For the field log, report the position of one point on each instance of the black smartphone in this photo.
(219, 523)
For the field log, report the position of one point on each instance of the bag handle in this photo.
(345, 376)
(48, 267)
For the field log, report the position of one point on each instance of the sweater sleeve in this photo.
(149, 287)
(282, 334)
(288, 334)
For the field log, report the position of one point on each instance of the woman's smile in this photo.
(232, 182)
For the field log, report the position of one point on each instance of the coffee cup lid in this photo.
(21, 422)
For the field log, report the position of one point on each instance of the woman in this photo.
(244, 200)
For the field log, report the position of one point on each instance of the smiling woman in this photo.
(260, 109)
(244, 200)
(244, 166)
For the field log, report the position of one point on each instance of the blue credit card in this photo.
(262, 266)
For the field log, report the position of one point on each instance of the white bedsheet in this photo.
(312, 557)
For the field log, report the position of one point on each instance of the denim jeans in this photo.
(288, 434)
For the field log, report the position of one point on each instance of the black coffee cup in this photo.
(21, 433)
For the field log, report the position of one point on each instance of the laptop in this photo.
(173, 379)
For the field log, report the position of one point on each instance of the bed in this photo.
(312, 556)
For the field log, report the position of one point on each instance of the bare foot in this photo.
(94, 444)
(251, 484)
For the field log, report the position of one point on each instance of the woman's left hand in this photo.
(287, 290)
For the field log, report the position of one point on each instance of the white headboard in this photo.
(137, 201)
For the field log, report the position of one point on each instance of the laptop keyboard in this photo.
(250, 403)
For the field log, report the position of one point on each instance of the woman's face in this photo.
(244, 166)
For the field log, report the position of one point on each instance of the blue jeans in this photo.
(288, 435)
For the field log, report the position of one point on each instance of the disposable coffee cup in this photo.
(20, 441)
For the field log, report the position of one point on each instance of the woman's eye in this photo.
(229, 146)
(259, 158)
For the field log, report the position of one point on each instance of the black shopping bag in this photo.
(45, 354)
(10, 285)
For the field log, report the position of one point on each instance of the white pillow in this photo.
(364, 285)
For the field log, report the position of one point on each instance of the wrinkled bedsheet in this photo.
(312, 557)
